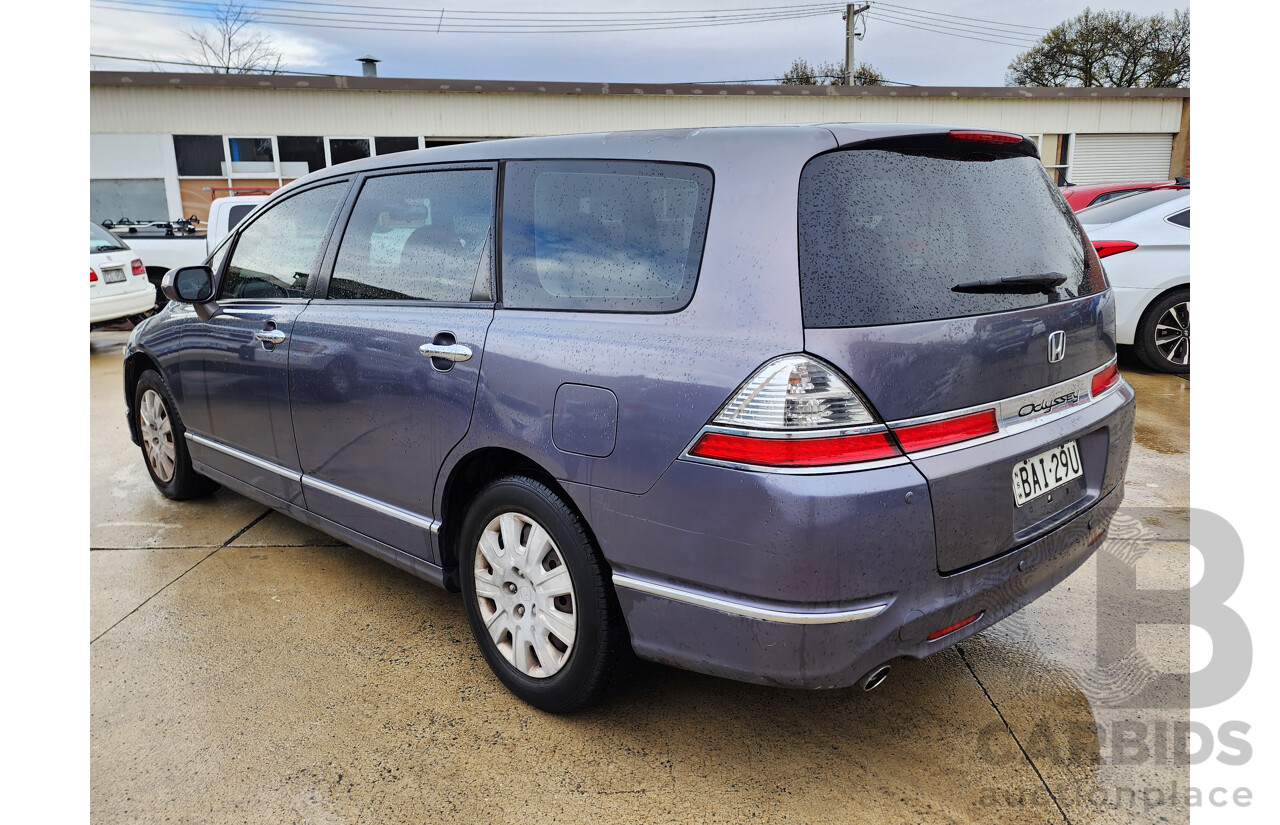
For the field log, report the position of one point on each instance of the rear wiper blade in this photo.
(1017, 284)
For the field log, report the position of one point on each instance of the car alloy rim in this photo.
(525, 594)
(1173, 334)
(157, 435)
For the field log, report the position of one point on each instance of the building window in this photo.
(342, 150)
(300, 155)
(252, 156)
(388, 145)
(199, 155)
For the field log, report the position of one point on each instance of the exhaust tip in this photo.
(874, 678)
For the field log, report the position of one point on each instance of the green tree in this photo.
(1109, 48)
(802, 73)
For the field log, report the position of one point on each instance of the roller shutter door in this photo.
(1106, 158)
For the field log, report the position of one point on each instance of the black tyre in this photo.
(538, 596)
(1163, 340)
(164, 443)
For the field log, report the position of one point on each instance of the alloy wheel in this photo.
(525, 594)
(157, 435)
(1173, 334)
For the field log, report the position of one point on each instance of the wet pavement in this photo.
(246, 668)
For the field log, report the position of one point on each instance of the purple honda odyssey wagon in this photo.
(780, 404)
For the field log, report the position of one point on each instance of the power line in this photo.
(437, 24)
(970, 28)
(958, 17)
(189, 63)
(884, 19)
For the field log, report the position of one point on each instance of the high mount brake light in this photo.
(1104, 380)
(820, 451)
(1106, 248)
(983, 136)
(917, 437)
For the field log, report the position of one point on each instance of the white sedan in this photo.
(118, 285)
(1144, 241)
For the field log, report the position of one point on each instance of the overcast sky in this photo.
(897, 40)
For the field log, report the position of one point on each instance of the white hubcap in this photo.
(525, 595)
(157, 435)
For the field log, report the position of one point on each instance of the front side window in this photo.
(612, 236)
(415, 236)
(276, 255)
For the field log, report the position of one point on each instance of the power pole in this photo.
(851, 12)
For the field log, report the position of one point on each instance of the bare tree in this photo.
(1109, 48)
(233, 45)
(829, 74)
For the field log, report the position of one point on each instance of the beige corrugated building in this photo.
(163, 145)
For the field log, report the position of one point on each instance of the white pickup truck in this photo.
(165, 246)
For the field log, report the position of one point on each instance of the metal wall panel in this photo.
(455, 114)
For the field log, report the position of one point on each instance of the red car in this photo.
(1078, 197)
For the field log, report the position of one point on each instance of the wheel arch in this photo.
(1157, 298)
(471, 472)
(135, 364)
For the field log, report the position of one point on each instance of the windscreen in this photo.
(100, 240)
(888, 234)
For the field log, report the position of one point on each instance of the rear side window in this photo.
(1182, 218)
(885, 235)
(611, 236)
(276, 255)
(416, 237)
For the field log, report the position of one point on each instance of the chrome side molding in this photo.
(750, 611)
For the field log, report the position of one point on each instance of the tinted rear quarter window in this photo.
(612, 236)
(886, 234)
(1182, 218)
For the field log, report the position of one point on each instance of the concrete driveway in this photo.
(247, 669)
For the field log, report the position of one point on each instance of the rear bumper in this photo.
(836, 654)
(121, 305)
(810, 581)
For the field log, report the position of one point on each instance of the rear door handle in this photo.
(270, 336)
(449, 352)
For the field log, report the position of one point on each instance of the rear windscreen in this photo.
(886, 235)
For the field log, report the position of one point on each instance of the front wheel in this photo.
(164, 444)
(1163, 341)
(538, 596)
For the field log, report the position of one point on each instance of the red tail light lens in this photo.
(1104, 380)
(1107, 248)
(952, 628)
(93, 276)
(795, 452)
(948, 431)
(138, 268)
(984, 136)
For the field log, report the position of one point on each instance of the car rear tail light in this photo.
(794, 392)
(916, 437)
(952, 628)
(794, 412)
(138, 268)
(794, 452)
(984, 136)
(93, 276)
(1108, 248)
(1104, 379)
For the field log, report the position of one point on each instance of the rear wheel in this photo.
(538, 596)
(1163, 341)
(164, 443)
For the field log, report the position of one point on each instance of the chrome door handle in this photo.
(270, 336)
(449, 352)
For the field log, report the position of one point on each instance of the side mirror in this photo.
(191, 285)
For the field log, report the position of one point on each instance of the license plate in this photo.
(1046, 472)
(113, 276)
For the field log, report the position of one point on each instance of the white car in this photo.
(1144, 241)
(118, 285)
